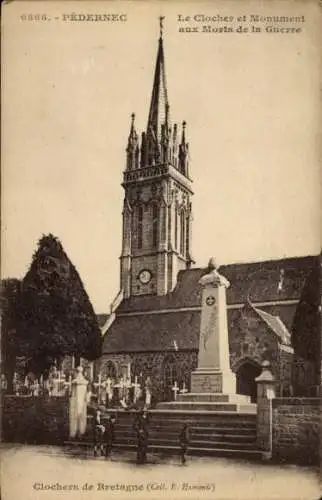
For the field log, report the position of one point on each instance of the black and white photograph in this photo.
(161, 253)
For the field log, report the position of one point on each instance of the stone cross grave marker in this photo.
(175, 389)
(184, 389)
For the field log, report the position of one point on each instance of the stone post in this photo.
(78, 405)
(265, 394)
(213, 374)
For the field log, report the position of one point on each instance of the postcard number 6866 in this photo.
(34, 17)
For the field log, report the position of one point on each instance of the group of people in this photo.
(104, 436)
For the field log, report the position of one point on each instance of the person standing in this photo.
(141, 429)
(98, 431)
(109, 435)
(184, 438)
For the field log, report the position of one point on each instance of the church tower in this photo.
(156, 241)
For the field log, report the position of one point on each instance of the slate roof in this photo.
(258, 282)
(153, 332)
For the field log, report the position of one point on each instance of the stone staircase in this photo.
(210, 402)
(211, 432)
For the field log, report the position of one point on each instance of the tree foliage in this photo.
(57, 316)
(12, 344)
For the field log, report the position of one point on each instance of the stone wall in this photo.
(296, 432)
(250, 337)
(40, 420)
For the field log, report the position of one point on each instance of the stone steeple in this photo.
(159, 106)
(157, 215)
(159, 142)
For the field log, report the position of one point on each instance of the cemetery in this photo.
(61, 409)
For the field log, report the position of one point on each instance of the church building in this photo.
(153, 326)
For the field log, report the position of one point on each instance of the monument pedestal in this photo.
(205, 380)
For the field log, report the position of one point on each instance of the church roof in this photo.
(266, 281)
(154, 323)
(153, 332)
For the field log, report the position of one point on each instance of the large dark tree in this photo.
(12, 344)
(58, 318)
(306, 329)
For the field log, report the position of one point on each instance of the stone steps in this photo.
(236, 434)
(206, 432)
(251, 454)
(162, 441)
(231, 430)
(211, 433)
(213, 397)
(174, 416)
(208, 405)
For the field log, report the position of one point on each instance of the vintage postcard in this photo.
(161, 249)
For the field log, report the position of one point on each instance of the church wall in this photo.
(120, 361)
(152, 364)
(249, 337)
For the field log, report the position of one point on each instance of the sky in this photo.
(252, 107)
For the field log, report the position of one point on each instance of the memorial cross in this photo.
(184, 389)
(15, 384)
(35, 388)
(99, 386)
(59, 384)
(69, 384)
(137, 388)
(175, 389)
(109, 388)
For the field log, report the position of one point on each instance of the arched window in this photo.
(176, 229)
(140, 226)
(182, 232)
(169, 376)
(187, 234)
(110, 369)
(169, 225)
(155, 220)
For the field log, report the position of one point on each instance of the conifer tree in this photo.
(58, 317)
(11, 340)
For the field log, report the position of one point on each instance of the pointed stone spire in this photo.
(160, 142)
(165, 150)
(159, 107)
(132, 149)
(183, 152)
